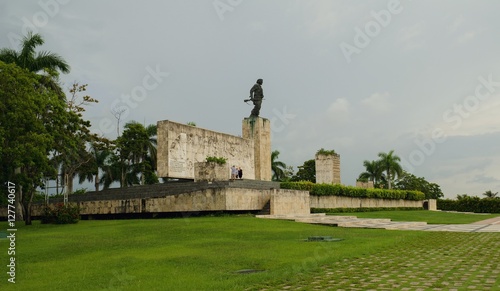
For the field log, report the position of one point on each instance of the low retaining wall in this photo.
(212, 199)
(285, 202)
(352, 202)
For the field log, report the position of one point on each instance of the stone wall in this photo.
(327, 169)
(211, 171)
(211, 199)
(352, 202)
(180, 146)
(284, 201)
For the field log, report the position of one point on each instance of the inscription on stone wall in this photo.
(180, 146)
(177, 166)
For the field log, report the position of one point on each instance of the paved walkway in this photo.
(489, 225)
(454, 262)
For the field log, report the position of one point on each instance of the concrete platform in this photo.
(489, 225)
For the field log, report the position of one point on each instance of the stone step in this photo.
(290, 217)
(349, 221)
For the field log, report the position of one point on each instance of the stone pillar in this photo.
(366, 185)
(328, 169)
(432, 204)
(258, 129)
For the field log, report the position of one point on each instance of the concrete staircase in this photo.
(347, 221)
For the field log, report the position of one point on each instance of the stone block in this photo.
(327, 169)
(180, 146)
(211, 171)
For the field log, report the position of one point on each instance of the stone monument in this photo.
(258, 129)
(327, 167)
(256, 96)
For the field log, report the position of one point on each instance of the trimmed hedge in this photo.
(470, 204)
(350, 191)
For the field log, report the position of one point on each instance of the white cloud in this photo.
(467, 36)
(411, 37)
(457, 22)
(473, 181)
(471, 119)
(338, 111)
(378, 102)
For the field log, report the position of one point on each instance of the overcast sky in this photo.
(421, 78)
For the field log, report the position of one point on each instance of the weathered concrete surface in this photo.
(284, 201)
(327, 169)
(211, 199)
(352, 202)
(211, 171)
(180, 146)
(258, 129)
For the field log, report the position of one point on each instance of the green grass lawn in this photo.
(431, 217)
(201, 253)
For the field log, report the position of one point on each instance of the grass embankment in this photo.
(202, 253)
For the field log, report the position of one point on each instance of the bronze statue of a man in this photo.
(256, 96)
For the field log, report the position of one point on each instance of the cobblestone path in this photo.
(454, 261)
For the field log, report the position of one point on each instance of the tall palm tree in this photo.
(27, 59)
(45, 61)
(277, 167)
(97, 162)
(152, 130)
(389, 163)
(374, 171)
(116, 169)
(490, 194)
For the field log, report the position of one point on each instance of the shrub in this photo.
(218, 160)
(470, 204)
(350, 191)
(322, 151)
(61, 214)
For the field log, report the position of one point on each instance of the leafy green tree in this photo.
(277, 167)
(390, 164)
(409, 181)
(490, 194)
(306, 172)
(31, 117)
(72, 138)
(373, 172)
(134, 146)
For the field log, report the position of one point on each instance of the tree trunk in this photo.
(27, 210)
(69, 183)
(19, 199)
(19, 205)
(96, 183)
